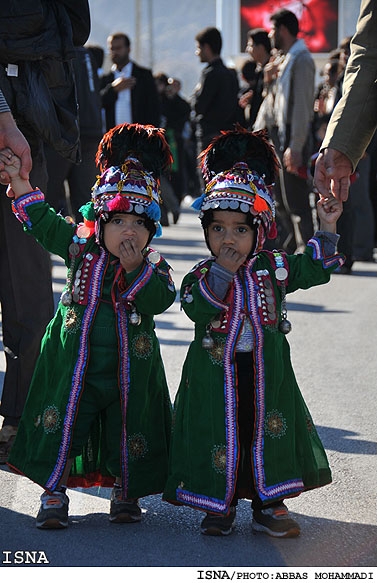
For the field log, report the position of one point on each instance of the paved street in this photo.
(333, 344)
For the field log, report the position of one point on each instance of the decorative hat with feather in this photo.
(131, 158)
(239, 169)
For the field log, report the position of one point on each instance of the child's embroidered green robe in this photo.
(43, 441)
(287, 455)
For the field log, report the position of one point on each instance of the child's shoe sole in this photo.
(52, 523)
(292, 532)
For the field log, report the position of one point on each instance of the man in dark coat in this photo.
(259, 48)
(215, 101)
(128, 92)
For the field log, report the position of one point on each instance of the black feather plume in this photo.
(144, 142)
(240, 145)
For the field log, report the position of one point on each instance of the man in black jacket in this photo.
(128, 92)
(259, 48)
(37, 39)
(215, 101)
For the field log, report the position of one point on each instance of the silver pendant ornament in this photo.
(208, 342)
(285, 326)
(135, 318)
(281, 275)
(66, 298)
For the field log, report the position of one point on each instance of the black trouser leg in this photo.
(25, 295)
(246, 420)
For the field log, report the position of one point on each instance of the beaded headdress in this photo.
(239, 168)
(131, 158)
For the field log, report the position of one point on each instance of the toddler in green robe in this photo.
(241, 427)
(98, 409)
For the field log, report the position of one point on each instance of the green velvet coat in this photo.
(287, 455)
(44, 437)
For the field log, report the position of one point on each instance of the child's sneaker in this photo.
(216, 525)
(275, 521)
(53, 512)
(123, 510)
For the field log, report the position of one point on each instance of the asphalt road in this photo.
(333, 343)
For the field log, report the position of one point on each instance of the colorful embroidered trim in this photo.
(318, 253)
(76, 387)
(198, 500)
(291, 486)
(124, 376)
(138, 283)
(20, 205)
(208, 295)
(265, 492)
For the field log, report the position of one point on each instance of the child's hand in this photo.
(329, 210)
(230, 259)
(130, 257)
(12, 163)
(12, 166)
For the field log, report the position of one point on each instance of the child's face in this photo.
(125, 227)
(230, 229)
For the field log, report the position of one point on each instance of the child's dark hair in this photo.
(207, 219)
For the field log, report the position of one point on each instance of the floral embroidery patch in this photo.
(142, 345)
(137, 446)
(216, 354)
(51, 419)
(71, 321)
(275, 424)
(219, 459)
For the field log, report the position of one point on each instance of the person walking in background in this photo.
(246, 95)
(287, 113)
(37, 41)
(175, 113)
(128, 92)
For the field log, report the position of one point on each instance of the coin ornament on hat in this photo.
(127, 189)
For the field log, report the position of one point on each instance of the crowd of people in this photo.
(72, 400)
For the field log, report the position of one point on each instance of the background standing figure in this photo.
(128, 92)
(259, 48)
(287, 113)
(37, 41)
(215, 101)
(80, 177)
